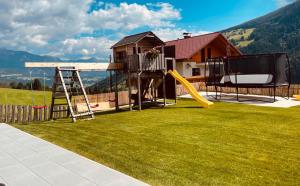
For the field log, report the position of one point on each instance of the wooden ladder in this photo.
(67, 83)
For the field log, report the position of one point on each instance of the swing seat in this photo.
(95, 107)
(39, 107)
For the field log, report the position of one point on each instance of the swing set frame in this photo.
(82, 66)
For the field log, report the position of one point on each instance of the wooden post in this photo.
(139, 91)
(116, 91)
(30, 114)
(55, 79)
(46, 113)
(13, 113)
(164, 88)
(7, 112)
(174, 67)
(40, 114)
(35, 114)
(24, 117)
(129, 89)
(19, 113)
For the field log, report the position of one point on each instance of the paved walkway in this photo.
(28, 160)
(265, 101)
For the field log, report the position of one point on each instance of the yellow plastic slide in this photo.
(191, 89)
(297, 97)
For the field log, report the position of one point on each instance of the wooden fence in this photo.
(23, 114)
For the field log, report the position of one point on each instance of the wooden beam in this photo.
(81, 66)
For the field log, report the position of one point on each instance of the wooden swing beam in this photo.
(81, 66)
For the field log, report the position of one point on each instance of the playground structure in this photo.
(67, 83)
(139, 57)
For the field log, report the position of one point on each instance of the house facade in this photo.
(191, 52)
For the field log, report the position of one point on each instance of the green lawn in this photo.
(228, 144)
(23, 97)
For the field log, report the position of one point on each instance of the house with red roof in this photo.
(191, 52)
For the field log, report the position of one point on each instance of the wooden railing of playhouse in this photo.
(139, 62)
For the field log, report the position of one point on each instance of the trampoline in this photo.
(249, 71)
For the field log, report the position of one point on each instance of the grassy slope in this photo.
(238, 34)
(23, 97)
(187, 145)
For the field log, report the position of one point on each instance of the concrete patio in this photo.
(28, 160)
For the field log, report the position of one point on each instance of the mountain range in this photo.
(278, 31)
(12, 66)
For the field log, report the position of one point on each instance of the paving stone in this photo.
(28, 160)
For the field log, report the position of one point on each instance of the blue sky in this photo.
(88, 28)
(216, 15)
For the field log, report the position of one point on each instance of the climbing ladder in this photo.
(67, 83)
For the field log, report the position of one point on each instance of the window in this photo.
(209, 53)
(120, 56)
(203, 55)
(134, 50)
(196, 72)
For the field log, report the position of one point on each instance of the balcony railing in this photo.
(139, 62)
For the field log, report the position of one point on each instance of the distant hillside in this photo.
(275, 32)
(12, 66)
(15, 59)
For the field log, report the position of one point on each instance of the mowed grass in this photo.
(228, 144)
(24, 97)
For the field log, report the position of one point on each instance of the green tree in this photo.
(13, 84)
(20, 85)
(36, 85)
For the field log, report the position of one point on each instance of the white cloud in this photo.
(167, 34)
(132, 16)
(57, 26)
(281, 3)
(87, 47)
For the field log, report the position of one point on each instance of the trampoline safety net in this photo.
(262, 70)
(249, 71)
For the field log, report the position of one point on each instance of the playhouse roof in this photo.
(132, 39)
(186, 48)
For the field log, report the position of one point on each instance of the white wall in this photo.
(185, 68)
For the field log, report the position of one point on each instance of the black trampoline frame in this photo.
(215, 81)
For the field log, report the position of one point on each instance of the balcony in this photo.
(140, 63)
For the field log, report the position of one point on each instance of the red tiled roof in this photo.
(186, 48)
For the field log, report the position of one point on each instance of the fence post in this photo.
(7, 110)
(25, 116)
(40, 111)
(46, 113)
(19, 113)
(35, 114)
(30, 114)
(13, 113)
